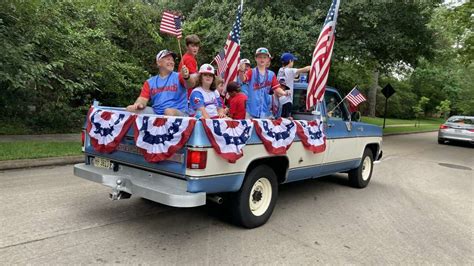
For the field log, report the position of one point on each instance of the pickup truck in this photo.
(197, 172)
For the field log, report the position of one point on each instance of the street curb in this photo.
(409, 133)
(28, 163)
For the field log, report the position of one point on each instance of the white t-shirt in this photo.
(202, 98)
(289, 74)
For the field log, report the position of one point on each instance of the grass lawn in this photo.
(404, 126)
(37, 149)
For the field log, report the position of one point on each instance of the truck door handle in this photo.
(331, 125)
(360, 128)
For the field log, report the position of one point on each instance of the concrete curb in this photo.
(409, 133)
(16, 164)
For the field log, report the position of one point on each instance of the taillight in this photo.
(443, 126)
(471, 130)
(196, 159)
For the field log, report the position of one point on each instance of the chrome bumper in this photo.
(159, 188)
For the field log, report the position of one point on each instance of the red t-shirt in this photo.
(190, 62)
(237, 106)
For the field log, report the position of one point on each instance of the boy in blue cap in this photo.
(288, 73)
(262, 83)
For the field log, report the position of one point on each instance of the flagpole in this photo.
(179, 45)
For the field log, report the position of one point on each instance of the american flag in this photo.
(321, 60)
(221, 63)
(232, 49)
(355, 97)
(171, 24)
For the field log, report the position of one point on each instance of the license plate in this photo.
(102, 163)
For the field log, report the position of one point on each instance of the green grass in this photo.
(37, 149)
(404, 126)
(391, 121)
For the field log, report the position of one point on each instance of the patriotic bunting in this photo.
(276, 135)
(311, 135)
(107, 128)
(160, 137)
(228, 137)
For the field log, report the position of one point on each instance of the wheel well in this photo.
(374, 147)
(279, 164)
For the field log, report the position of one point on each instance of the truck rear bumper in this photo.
(159, 188)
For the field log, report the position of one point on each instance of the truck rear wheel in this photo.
(360, 177)
(253, 204)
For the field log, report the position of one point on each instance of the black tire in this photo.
(441, 141)
(240, 208)
(358, 177)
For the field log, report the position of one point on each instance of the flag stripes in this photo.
(171, 24)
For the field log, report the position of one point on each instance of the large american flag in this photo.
(171, 24)
(321, 60)
(232, 49)
(221, 63)
(355, 97)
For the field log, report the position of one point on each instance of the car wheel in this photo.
(441, 141)
(360, 177)
(253, 204)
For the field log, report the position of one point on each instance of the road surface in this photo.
(418, 208)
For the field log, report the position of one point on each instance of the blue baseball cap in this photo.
(287, 57)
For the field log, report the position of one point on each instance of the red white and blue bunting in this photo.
(312, 135)
(107, 128)
(228, 137)
(160, 137)
(277, 135)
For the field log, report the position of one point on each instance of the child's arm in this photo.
(303, 70)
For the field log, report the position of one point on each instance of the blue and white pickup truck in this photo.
(249, 186)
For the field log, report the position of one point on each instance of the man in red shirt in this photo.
(189, 58)
(237, 101)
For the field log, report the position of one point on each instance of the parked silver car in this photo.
(458, 128)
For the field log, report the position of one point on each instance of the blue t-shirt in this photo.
(259, 101)
(165, 93)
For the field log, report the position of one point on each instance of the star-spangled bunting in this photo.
(106, 128)
(228, 137)
(276, 135)
(321, 60)
(160, 137)
(311, 135)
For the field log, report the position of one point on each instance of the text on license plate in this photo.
(102, 163)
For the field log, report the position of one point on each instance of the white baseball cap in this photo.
(207, 69)
(164, 53)
(245, 61)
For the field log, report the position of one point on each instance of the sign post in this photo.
(387, 91)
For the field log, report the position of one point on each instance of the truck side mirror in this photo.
(355, 116)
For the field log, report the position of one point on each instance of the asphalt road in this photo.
(413, 211)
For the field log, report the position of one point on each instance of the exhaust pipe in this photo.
(217, 199)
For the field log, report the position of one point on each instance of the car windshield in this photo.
(461, 120)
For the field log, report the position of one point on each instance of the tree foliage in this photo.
(57, 56)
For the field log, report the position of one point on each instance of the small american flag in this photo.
(355, 97)
(221, 63)
(171, 24)
(232, 49)
(321, 60)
